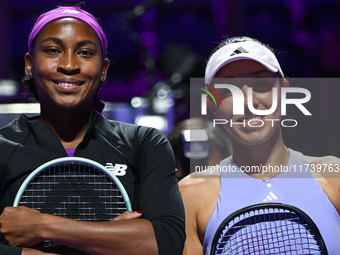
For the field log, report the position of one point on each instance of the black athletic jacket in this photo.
(25, 144)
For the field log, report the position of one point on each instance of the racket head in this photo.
(268, 228)
(79, 164)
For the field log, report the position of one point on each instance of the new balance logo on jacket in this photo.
(117, 169)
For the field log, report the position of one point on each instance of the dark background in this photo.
(178, 36)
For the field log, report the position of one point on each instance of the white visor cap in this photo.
(241, 50)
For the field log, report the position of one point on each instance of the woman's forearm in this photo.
(133, 236)
(125, 234)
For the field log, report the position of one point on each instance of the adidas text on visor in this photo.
(237, 51)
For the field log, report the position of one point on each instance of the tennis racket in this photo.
(268, 228)
(76, 188)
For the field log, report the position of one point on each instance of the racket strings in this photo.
(75, 191)
(266, 231)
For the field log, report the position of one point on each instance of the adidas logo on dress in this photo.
(270, 197)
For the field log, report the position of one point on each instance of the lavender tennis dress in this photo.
(299, 189)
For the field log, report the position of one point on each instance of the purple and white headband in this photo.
(67, 11)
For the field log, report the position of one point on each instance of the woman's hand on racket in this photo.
(19, 226)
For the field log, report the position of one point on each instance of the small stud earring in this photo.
(30, 75)
(102, 78)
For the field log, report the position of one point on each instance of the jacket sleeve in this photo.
(159, 196)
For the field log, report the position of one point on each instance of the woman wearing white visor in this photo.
(257, 144)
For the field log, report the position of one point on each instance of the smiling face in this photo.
(245, 74)
(67, 64)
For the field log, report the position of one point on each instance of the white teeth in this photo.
(253, 118)
(67, 84)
